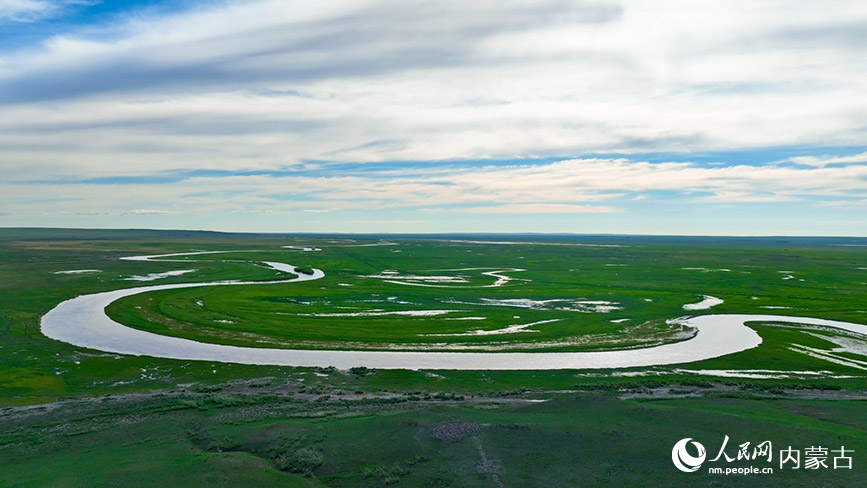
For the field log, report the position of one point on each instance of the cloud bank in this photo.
(333, 106)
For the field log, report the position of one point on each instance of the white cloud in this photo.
(265, 84)
(569, 186)
(33, 10)
(144, 211)
(746, 197)
(546, 208)
(822, 161)
(23, 9)
(398, 222)
(844, 203)
(268, 85)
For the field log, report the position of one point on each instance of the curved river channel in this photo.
(82, 322)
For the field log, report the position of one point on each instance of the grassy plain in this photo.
(580, 296)
(79, 417)
(224, 439)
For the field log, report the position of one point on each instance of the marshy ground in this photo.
(79, 417)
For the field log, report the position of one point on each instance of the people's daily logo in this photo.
(759, 458)
(685, 461)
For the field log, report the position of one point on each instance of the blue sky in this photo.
(717, 117)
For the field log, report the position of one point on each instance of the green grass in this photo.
(34, 368)
(649, 284)
(586, 440)
(202, 432)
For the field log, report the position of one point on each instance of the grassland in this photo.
(271, 439)
(77, 417)
(579, 297)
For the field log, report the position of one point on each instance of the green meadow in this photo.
(581, 296)
(71, 416)
(570, 440)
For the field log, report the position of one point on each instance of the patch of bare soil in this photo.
(455, 431)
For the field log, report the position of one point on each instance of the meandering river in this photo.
(82, 322)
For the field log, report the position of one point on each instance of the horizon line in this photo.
(423, 234)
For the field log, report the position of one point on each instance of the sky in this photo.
(721, 117)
